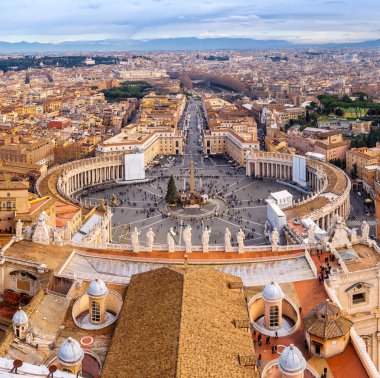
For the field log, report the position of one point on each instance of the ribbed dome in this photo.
(97, 288)
(272, 292)
(291, 361)
(70, 352)
(20, 317)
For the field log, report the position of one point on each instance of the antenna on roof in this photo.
(52, 370)
(16, 364)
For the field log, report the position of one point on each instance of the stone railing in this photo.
(181, 248)
(311, 263)
(271, 155)
(361, 350)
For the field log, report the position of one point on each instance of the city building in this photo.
(230, 130)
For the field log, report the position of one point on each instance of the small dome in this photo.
(327, 321)
(291, 361)
(70, 352)
(272, 292)
(97, 288)
(20, 317)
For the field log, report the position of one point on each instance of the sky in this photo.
(300, 21)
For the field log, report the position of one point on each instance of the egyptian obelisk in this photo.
(192, 181)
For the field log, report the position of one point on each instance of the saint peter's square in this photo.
(189, 212)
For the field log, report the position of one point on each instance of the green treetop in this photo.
(171, 194)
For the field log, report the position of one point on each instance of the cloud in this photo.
(307, 20)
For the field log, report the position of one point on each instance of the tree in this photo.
(354, 171)
(171, 194)
(339, 163)
(307, 116)
(339, 112)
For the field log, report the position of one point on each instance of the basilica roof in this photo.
(180, 323)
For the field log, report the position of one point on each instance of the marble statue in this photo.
(266, 228)
(206, 239)
(339, 235)
(365, 230)
(135, 240)
(108, 212)
(57, 237)
(104, 232)
(28, 232)
(240, 240)
(150, 238)
(41, 232)
(47, 218)
(354, 235)
(67, 231)
(275, 236)
(19, 230)
(227, 240)
(186, 234)
(170, 239)
(311, 234)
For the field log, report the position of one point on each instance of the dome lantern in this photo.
(291, 362)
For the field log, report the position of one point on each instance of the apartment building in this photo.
(365, 161)
(34, 151)
(230, 131)
(155, 131)
(329, 143)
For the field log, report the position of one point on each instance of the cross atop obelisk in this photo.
(192, 181)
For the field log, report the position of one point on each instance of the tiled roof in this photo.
(180, 323)
(327, 321)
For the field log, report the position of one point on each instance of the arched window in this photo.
(273, 316)
(95, 312)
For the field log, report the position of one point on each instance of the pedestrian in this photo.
(259, 337)
(272, 349)
(276, 335)
(267, 340)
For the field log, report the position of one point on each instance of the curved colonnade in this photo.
(330, 186)
(81, 174)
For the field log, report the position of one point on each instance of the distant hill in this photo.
(191, 43)
(149, 45)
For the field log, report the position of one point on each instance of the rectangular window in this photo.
(358, 298)
(95, 315)
(23, 285)
(273, 316)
